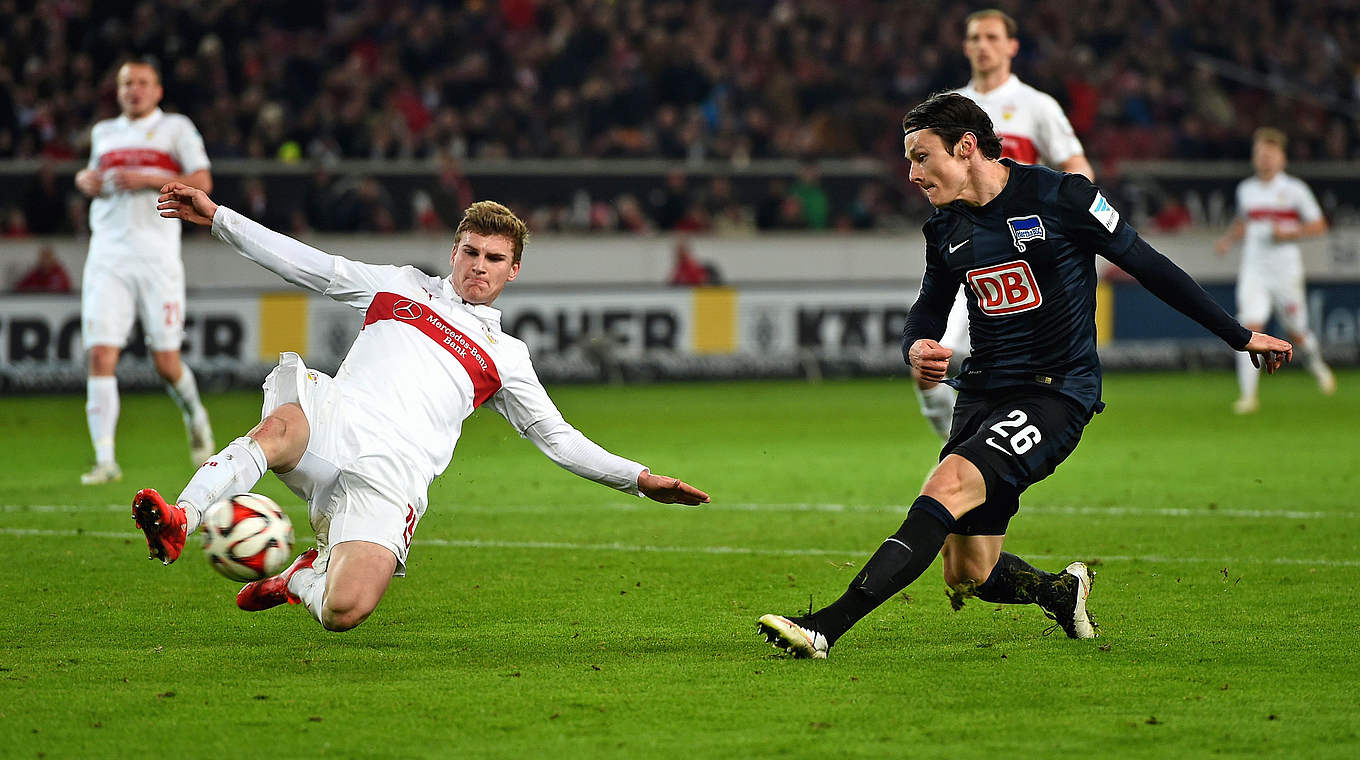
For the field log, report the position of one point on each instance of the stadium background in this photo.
(762, 137)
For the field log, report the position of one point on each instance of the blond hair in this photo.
(1012, 29)
(1272, 136)
(491, 218)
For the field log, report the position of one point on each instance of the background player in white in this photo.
(1033, 129)
(1274, 210)
(134, 267)
(362, 448)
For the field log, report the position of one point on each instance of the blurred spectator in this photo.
(45, 203)
(689, 271)
(15, 224)
(671, 202)
(453, 192)
(257, 206)
(813, 202)
(46, 276)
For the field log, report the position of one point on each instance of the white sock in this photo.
(309, 586)
(101, 413)
(1248, 376)
(1312, 355)
(235, 469)
(937, 406)
(185, 393)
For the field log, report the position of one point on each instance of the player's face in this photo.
(482, 265)
(1267, 158)
(139, 90)
(939, 175)
(987, 45)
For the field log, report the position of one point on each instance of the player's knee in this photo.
(343, 618)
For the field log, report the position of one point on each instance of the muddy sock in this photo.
(1015, 581)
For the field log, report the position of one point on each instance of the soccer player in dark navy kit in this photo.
(1023, 239)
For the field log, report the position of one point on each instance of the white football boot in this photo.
(106, 472)
(1072, 615)
(788, 635)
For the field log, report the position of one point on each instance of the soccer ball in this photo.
(247, 537)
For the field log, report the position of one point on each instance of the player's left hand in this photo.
(180, 201)
(1269, 352)
(670, 490)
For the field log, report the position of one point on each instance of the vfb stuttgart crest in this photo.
(1005, 289)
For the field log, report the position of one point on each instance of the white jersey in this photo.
(423, 361)
(1031, 124)
(125, 224)
(1283, 200)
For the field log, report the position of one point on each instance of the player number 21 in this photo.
(1021, 440)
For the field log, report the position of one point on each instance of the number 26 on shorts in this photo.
(1021, 440)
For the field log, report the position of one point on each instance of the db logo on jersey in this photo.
(405, 309)
(1005, 288)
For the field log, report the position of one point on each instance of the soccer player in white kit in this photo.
(1274, 210)
(134, 267)
(1033, 129)
(363, 447)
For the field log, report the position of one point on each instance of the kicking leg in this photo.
(348, 591)
(277, 443)
(954, 488)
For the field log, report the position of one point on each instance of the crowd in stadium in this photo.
(728, 81)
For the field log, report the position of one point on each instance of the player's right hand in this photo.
(90, 181)
(180, 201)
(1268, 351)
(929, 359)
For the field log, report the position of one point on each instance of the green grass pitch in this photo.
(545, 615)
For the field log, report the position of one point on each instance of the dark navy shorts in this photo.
(1016, 437)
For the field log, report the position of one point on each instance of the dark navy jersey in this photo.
(1027, 261)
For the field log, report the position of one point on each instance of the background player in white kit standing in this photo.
(134, 267)
(362, 448)
(1033, 129)
(1273, 211)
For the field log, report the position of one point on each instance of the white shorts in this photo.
(956, 330)
(112, 294)
(342, 504)
(1260, 292)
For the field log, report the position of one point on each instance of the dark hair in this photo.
(950, 115)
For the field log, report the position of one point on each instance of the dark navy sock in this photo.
(901, 559)
(1015, 581)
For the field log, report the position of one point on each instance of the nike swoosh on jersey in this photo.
(955, 246)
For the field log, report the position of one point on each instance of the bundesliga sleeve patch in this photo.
(1104, 212)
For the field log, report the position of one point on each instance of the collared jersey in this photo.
(1027, 261)
(425, 360)
(1283, 200)
(422, 363)
(126, 224)
(1031, 124)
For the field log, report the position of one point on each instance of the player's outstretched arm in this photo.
(1268, 351)
(181, 201)
(669, 490)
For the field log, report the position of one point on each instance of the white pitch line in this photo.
(1111, 511)
(729, 550)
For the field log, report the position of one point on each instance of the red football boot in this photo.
(164, 525)
(271, 592)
